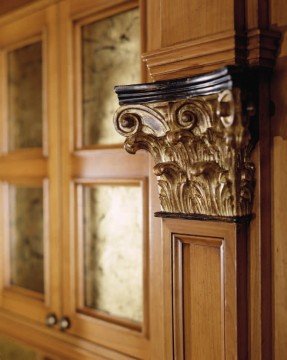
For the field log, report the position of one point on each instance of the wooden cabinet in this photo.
(81, 250)
(30, 215)
(75, 209)
(107, 196)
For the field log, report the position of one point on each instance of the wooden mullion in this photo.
(23, 169)
(109, 164)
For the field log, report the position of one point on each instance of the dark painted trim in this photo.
(230, 219)
(168, 90)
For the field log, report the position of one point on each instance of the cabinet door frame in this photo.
(28, 166)
(95, 163)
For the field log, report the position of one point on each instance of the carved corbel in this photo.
(198, 132)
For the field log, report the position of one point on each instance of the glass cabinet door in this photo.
(29, 153)
(108, 195)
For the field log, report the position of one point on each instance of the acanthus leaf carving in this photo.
(201, 146)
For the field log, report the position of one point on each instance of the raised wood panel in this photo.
(206, 271)
(198, 287)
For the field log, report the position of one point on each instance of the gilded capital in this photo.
(197, 131)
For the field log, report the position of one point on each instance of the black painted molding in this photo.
(225, 78)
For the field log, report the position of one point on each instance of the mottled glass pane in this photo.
(11, 350)
(26, 237)
(113, 253)
(110, 56)
(25, 97)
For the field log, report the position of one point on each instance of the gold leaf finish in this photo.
(201, 147)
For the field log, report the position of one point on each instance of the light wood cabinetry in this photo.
(93, 159)
(187, 289)
(80, 264)
(30, 165)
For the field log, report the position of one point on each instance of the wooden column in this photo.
(201, 132)
(188, 38)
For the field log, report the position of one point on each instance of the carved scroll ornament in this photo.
(201, 146)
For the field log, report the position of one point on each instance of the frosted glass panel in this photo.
(113, 253)
(110, 56)
(26, 237)
(25, 97)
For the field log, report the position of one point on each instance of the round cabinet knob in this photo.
(64, 323)
(51, 319)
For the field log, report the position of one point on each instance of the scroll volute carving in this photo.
(201, 146)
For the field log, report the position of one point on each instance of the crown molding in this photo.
(262, 47)
(254, 47)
